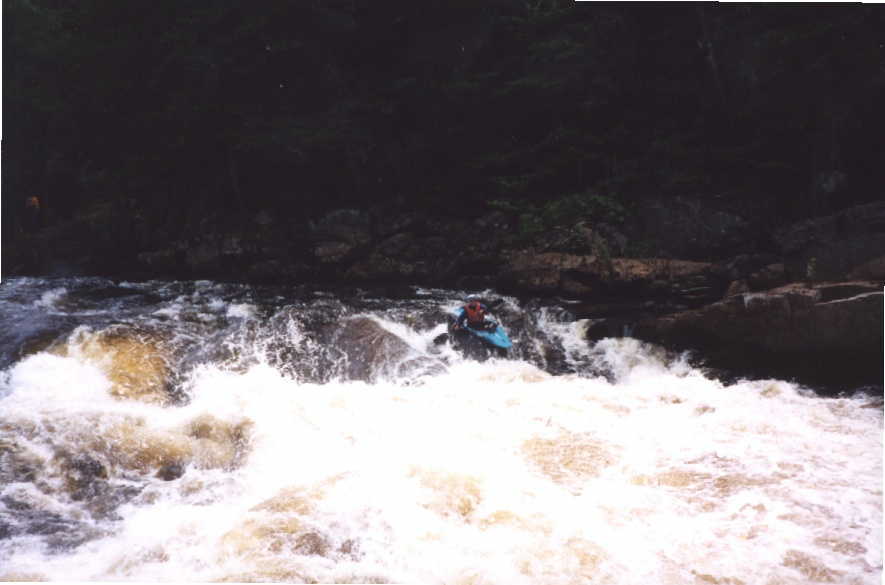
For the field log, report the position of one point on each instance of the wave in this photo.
(254, 434)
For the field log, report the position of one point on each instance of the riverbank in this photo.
(805, 303)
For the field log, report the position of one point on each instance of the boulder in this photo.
(682, 281)
(848, 244)
(591, 276)
(543, 272)
(823, 317)
(737, 287)
(205, 442)
(801, 325)
(741, 266)
(629, 270)
(371, 352)
(872, 270)
(768, 277)
(135, 361)
(21, 342)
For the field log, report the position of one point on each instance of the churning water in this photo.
(195, 431)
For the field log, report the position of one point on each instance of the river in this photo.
(203, 431)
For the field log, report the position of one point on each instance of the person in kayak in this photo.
(473, 315)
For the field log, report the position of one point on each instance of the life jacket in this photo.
(476, 313)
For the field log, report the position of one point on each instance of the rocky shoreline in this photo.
(809, 306)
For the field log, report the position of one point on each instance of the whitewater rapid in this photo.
(620, 463)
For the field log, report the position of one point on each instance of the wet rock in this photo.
(349, 547)
(835, 290)
(89, 468)
(370, 352)
(596, 277)
(609, 327)
(311, 543)
(768, 277)
(792, 318)
(85, 477)
(574, 286)
(836, 246)
(170, 471)
(17, 464)
(543, 272)
(812, 328)
(872, 270)
(136, 361)
(206, 442)
(58, 532)
(217, 444)
(107, 501)
(277, 525)
(737, 287)
(45, 340)
(657, 276)
(741, 266)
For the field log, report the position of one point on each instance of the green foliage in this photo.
(589, 205)
(564, 211)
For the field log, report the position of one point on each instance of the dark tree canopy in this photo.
(183, 115)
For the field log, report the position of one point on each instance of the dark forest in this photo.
(139, 124)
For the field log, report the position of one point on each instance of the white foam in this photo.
(216, 304)
(241, 311)
(491, 472)
(49, 299)
(45, 382)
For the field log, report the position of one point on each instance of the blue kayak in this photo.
(495, 336)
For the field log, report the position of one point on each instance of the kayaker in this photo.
(473, 315)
